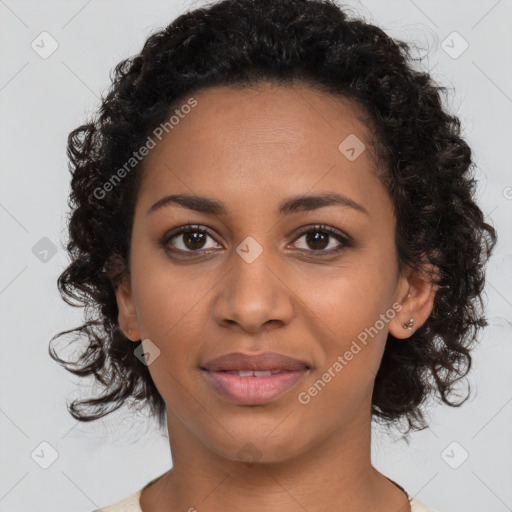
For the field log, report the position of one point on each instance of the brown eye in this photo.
(193, 239)
(319, 238)
(189, 239)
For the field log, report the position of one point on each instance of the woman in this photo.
(274, 225)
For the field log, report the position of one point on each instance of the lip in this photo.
(253, 390)
(262, 361)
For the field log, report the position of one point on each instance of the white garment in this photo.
(132, 503)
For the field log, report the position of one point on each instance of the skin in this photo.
(252, 149)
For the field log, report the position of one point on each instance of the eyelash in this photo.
(189, 228)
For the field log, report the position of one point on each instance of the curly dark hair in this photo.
(425, 165)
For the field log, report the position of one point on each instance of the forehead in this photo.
(270, 137)
(269, 113)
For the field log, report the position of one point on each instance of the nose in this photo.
(254, 295)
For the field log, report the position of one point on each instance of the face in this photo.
(313, 280)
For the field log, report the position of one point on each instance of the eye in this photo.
(319, 237)
(189, 239)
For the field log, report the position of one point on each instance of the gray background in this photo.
(42, 99)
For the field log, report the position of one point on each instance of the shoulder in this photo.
(417, 506)
(129, 504)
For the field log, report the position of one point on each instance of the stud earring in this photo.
(409, 324)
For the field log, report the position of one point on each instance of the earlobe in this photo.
(127, 316)
(416, 293)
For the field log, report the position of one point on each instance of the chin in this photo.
(255, 446)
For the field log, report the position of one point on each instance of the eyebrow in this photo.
(289, 206)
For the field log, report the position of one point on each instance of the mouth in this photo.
(253, 373)
(253, 387)
(252, 379)
(262, 362)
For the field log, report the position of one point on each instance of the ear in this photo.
(127, 317)
(416, 291)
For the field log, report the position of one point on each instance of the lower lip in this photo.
(254, 390)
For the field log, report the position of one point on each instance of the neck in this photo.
(335, 473)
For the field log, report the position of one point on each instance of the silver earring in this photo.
(409, 324)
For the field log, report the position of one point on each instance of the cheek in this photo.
(352, 298)
(351, 348)
(167, 310)
(351, 320)
(166, 295)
